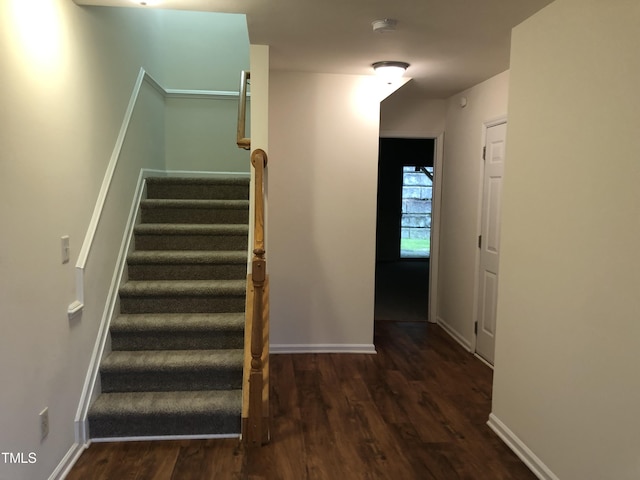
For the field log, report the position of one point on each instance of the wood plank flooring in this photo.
(416, 410)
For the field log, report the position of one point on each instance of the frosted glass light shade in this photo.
(390, 71)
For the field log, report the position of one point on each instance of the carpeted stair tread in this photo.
(163, 210)
(191, 236)
(191, 229)
(194, 203)
(187, 256)
(180, 331)
(134, 414)
(221, 180)
(209, 323)
(183, 288)
(198, 187)
(172, 370)
(158, 403)
(208, 181)
(174, 360)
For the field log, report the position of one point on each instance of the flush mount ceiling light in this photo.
(390, 71)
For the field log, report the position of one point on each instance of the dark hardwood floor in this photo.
(402, 289)
(416, 410)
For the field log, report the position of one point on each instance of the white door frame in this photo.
(476, 288)
(434, 250)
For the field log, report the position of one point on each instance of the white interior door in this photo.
(489, 241)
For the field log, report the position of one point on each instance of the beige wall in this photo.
(461, 193)
(67, 75)
(323, 146)
(566, 380)
(402, 116)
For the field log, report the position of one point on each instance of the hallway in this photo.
(402, 290)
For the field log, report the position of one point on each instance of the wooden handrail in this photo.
(241, 140)
(256, 423)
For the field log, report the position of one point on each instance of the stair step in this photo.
(181, 236)
(197, 211)
(138, 414)
(187, 265)
(183, 296)
(232, 187)
(177, 346)
(177, 331)
(172, 370)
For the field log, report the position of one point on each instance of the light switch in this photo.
(65, 248)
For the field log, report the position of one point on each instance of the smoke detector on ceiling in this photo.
(384, 25)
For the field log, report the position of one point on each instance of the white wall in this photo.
(323, 161)
(566, 379)
(67, 76)
(405, 114)
(460, 207)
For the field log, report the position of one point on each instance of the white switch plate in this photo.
(44, 423)
(65, 248)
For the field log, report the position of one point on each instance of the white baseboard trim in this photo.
(525, 454)
(323, 348)
(483, 361)
(457, 336)
(67, 463)
(164, 438)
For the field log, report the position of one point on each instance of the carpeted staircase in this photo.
(177, 344)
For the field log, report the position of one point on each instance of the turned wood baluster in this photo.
(255, 414)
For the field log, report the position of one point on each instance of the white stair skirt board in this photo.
(323, 348)
(165, 438)
(525, 454)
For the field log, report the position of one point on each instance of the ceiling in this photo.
(450, 44)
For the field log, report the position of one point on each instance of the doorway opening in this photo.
(403, 230)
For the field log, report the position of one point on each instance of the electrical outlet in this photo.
(44, 423)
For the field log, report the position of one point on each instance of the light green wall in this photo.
(566, 368)
(203, 51)
(201, 135)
